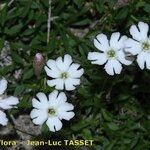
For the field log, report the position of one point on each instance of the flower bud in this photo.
(38, 63)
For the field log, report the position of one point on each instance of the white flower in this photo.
(5, 102)
(65, 73)
(140, 44)
(52, 110)
(112, 53)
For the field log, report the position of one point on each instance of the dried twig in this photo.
(10, 2)
(49, 21)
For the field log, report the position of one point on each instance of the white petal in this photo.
(112, 67)
(64, 111)
(52, 98)
(66, 107)
(67, 60)
(117, 42)
(3, 86)
(101, 42)
(56, 101)
(114, 40)
(62, 98)
(53, 95)
(122, 58)
(97, 58)
(132, 46)
(52, 65)
(3, 118)
(121, 44)
(58, 83)
(39, 116)
(63, 65)
(38, 104)
(135, 33)
(9, 102)
(74, 72)
(70, 83)
(54, 124)
(140, 33)
(52, 73)
(66, 115)
(143, 59)
(60, 64)
(143, 27)
(148, 61)
(42, 98)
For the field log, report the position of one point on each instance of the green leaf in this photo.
(28, 74)
(3, 14)
(1, 44)
(14, 30)
(19, 90)
(16, 58)
(6, 69)
(147, 8)
(106, 115)
(113, 126)
(80, 125)
(122, 14)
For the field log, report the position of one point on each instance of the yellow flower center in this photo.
(111, 53)
(146, 46)
(51, 111)
(64, 75)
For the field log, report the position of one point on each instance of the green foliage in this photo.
(113, 111)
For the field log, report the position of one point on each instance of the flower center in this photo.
(111, 53)
(146, 46)
(64, 75)
(51, 111)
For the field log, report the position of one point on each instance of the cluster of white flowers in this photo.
(113, 52)
(52, 109)
(5, 102)
(65, 75)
